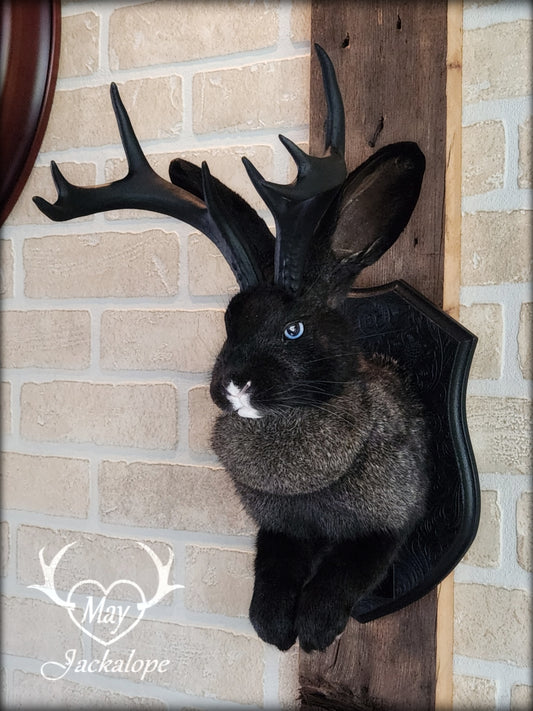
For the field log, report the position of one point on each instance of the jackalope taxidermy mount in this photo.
(327, 447)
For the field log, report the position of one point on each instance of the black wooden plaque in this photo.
(435, 352)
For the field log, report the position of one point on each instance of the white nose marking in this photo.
(240, 400)
(236, 391)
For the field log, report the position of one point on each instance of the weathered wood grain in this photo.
(390, 59)
(395, 65)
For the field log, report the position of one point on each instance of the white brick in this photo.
(84, 117)
(471, 693)
(126, 414)
(496, 247)
(163, 33)
(34, 691)
(202, 660)
(266, 95)
(79, 45)
(36, 629)
(123, 264)
(202, 414)
(195, 498)
(209, 273)
(46, 339)
(483, 157)
(525, 349)
(496, 61)
(521, 697)
(4, 547)
(499, 429)
(161, 340)
(301, 21)
(486, 321)
(219, 580)
(52, 485)
(524, 528)
(6, 268)
(493, 623)
(525, 156)
(5, 407)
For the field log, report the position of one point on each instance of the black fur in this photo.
(334, 472)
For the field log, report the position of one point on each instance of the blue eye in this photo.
(293, 330)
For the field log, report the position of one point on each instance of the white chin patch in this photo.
(249, 412)
(239, 399)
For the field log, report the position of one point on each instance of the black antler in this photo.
(298, 207)
(197, 198)
(142, 188)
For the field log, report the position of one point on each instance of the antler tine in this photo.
(137, 161)
(335, 124)
(298, 207)
(143, 189)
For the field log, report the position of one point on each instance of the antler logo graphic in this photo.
(109, 620)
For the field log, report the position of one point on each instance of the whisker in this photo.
(301, 392)
(320, 382)
(334, 356)
(313, 405)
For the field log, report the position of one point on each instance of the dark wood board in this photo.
(391, 63)
(384, 665)
(390, 59)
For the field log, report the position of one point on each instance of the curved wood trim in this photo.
(31, 33)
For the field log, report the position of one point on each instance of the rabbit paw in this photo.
(272, 613)
(320, 619)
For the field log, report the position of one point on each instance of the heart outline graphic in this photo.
(71, 606)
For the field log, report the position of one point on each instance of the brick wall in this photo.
(111, 322)
(492, 586)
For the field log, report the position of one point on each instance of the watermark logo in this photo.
(102, 617)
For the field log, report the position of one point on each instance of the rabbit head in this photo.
(288, 344)
(281, 351)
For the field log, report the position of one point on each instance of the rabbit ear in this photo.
(375, 205)
(259, 238)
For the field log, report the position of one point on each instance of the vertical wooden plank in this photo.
(384, 665)
(398, 65)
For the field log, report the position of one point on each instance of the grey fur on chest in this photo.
(339, 512)
(297, 453)
(357, 467)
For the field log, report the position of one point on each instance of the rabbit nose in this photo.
(236, 391)
(239, 398)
